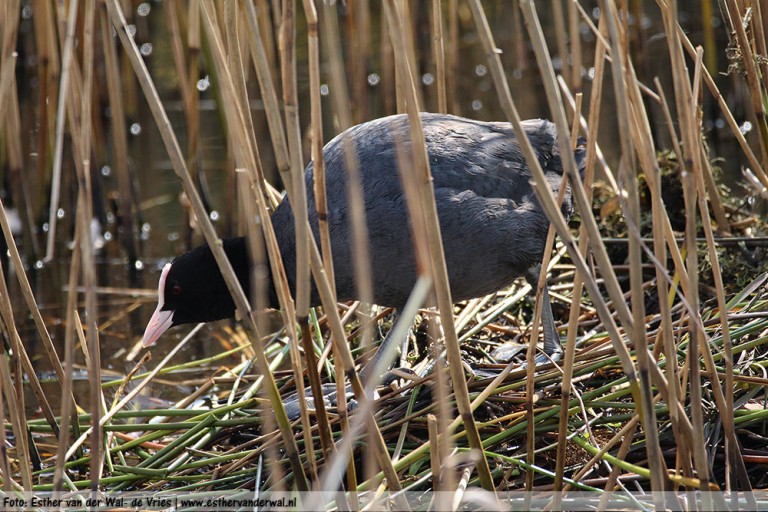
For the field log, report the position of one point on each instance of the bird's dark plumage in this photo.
(492, 225)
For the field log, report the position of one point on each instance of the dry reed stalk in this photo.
(666, 334)
(171, 11)
(48, 68)
(299, 206)
(575, 45)
(438, 51)
(16, 413)
(246, 156)
(690, 138)
(264, 75)
(275, 123)
(58, 150)
(558, 22)
(361, 21)
(723, 397)
(84, 216)
(665, 222)
(604, 264)
(192, 107)
(268, 31)
(757, 167)
(610, 484)
(119, 136)
(7, 93)
(68, 407)
(361, 259)
(397, 26)
(626, 432)
(179, 166)
(327, 294)
(623, 76)
(573, 319)
(750, 67)
(5, 464)
(342, 350)
(409, 27)
(293, 130)
(390, 91)
(530, 388)
(9, 28)
(758, 34)
(453, 57)
(442, 480)
(34, 310)
(336, 63)
(435, 456)
(316, 130)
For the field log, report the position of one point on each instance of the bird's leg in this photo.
(379, 364)
(375, 369)
(552, 348)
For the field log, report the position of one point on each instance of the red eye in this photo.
(176, 289)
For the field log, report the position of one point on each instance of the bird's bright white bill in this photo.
(161, 320)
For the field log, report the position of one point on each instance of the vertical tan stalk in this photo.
(735, 467)
(179, 166)
(327, 295)
(119, 135)
(7, 91)
(84, 215)
(60, 118)
(316, 125)
(298, 202)
(439, 54)
(45, 37)
(442, 290)
(171, 11)
(662, 231)
(558, 17)
(299, 197)
(575, 44)
(5, 464)
(193, 100)
(15, 409)
(690, 136)
(389, 89)
(361, 261)
(268, 93)
(627, 170)
(453, 57)
(578, 280)
(68, 407)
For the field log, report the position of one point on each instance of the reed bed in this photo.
(661, 282)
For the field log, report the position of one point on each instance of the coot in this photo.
(492, 224)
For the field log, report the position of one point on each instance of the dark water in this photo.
(164, 225)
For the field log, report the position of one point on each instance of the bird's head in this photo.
(191, 290)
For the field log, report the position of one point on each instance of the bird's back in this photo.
(492, 225)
